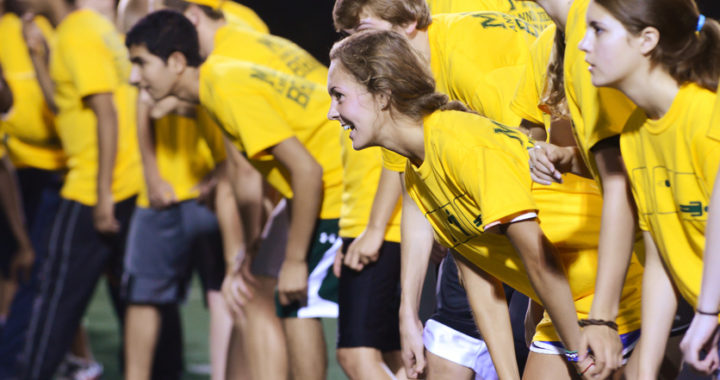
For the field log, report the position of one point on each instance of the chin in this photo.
(359, 144)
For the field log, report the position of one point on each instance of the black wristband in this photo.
(715, 314)
(598, 322)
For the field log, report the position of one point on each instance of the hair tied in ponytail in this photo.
(701, 22)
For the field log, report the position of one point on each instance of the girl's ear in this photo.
(649, 38)
(383, 100)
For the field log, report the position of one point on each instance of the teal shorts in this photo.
(322, 298)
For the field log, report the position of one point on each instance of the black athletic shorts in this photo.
(369, 302)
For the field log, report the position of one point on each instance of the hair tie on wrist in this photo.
(598, 322)
(572, 356)
(701, 22)
(715, 314)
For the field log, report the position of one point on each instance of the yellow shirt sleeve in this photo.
(94, 71)
(257, 123)
(500, 200)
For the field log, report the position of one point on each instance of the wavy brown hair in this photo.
(346, 13)
(385, 63)
(553, 98)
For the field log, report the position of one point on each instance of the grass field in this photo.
(104, 337)
(102, 329)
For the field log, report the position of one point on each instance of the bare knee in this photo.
(361, 362)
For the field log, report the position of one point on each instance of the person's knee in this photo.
(356, 361)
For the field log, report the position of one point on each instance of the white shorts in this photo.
(459, 348)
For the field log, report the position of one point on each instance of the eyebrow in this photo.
(594, 23)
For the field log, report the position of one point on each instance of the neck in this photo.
(651, 89)
(57, 11)
(187, 87)
(421, 42)
(405, 137)
(210, 29)
(557, 10)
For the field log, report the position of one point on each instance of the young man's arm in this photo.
(365, 249)
(415, 251)
(160, 193)
(39, 55)
(12, 204)
(307, 186)
(107, 134)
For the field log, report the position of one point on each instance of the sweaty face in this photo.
(353, 106)
(611, 51)
(151, 73)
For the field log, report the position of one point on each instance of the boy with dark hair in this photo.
(278, 121)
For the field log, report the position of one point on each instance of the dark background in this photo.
(308, 23)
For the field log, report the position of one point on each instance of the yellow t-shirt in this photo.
(32, 139)
(361, 170)
(476, 173)
(525, 10)
(483, 76)
(526, 103)
(238, 14)
(258, 108)
(186, 151)
(571, 212)
(597, 113)
(90, 58)
(274, 52)
(672, 163)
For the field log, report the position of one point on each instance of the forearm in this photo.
(12, 203)
(547, 278)
(617, 235)
(42, 73)
(387, 195)
(415, 250)
(487, 300)
(659, 304)
(709, 298)
(146, 143)
(247, 185)
(230, 224)
(107, 135)
(307, 186)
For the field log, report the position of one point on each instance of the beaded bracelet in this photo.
(715, 314)
(598, 322)
(572, 356)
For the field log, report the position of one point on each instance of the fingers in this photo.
(337, 264)
(352, 260)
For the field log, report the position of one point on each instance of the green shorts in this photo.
(322, 298)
